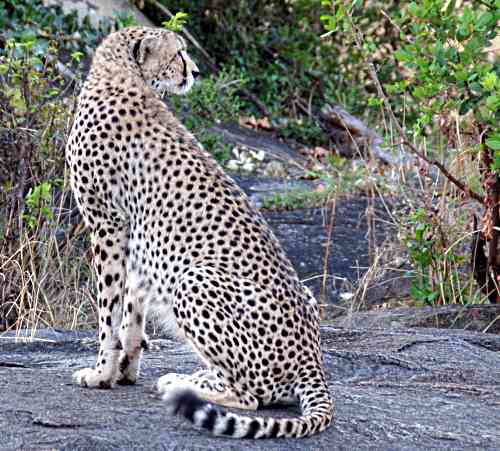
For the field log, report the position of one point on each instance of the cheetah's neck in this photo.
(113, 59)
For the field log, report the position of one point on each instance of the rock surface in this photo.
(393, 389)
(475, 317)
(260, 141)
(97, 10)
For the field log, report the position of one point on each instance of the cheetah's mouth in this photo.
(185, 85)
(181, 88)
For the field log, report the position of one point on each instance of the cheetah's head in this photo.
(164, 62)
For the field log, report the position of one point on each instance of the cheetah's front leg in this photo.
(132, 336)
(109, 245)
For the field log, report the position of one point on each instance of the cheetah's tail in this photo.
(317, 413)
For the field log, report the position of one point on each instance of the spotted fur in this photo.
(172, 233)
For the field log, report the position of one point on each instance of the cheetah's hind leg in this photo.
(208, 385)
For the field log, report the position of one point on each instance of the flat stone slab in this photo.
(257, 140)
(96, 10)
(393, 389)
(303, 233)
(475, 317)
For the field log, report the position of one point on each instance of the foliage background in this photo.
(422, 74)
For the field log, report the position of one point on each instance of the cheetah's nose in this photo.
(195, 74)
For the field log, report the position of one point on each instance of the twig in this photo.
(488, 5)
(329, 244)
(61, 68)
(57, 37)
(396, 26)
(256, 101)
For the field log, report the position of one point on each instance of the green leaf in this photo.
(419, 232)
(451, 7)
(77, 56)
(413, 9)
(494, 143)
(493, 103)
(462, 33)
(489, 81)
(416, 293)
(374, 101)
(403, 55)
(176, 22)
(431, 297)
(465, 106)
(330, 22)
(484, 20)
(496, 162)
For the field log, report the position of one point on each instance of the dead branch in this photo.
(349, 129)
(61, 68)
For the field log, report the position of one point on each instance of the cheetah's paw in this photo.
(166, 382)
(91, 378)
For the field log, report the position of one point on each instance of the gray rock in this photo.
(415, 389)
(476, 317)
(251, 139)
(97, 10)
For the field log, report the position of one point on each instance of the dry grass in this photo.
(447, 216)
(47, 278)
(44, 261)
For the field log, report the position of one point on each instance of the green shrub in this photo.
(277, 48)
(41, 275)
(211, 101)
(446, 95)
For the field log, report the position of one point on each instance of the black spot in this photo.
(253, 428)
(187, 404)
(108, 280)
(231, 422)
(124, 363)
(209, 421)
(114, 301)
(135, 50)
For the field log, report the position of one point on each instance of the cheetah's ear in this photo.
(143, 48)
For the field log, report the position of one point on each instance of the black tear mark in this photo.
(135, 50)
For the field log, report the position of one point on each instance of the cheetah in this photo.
(171, 233)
